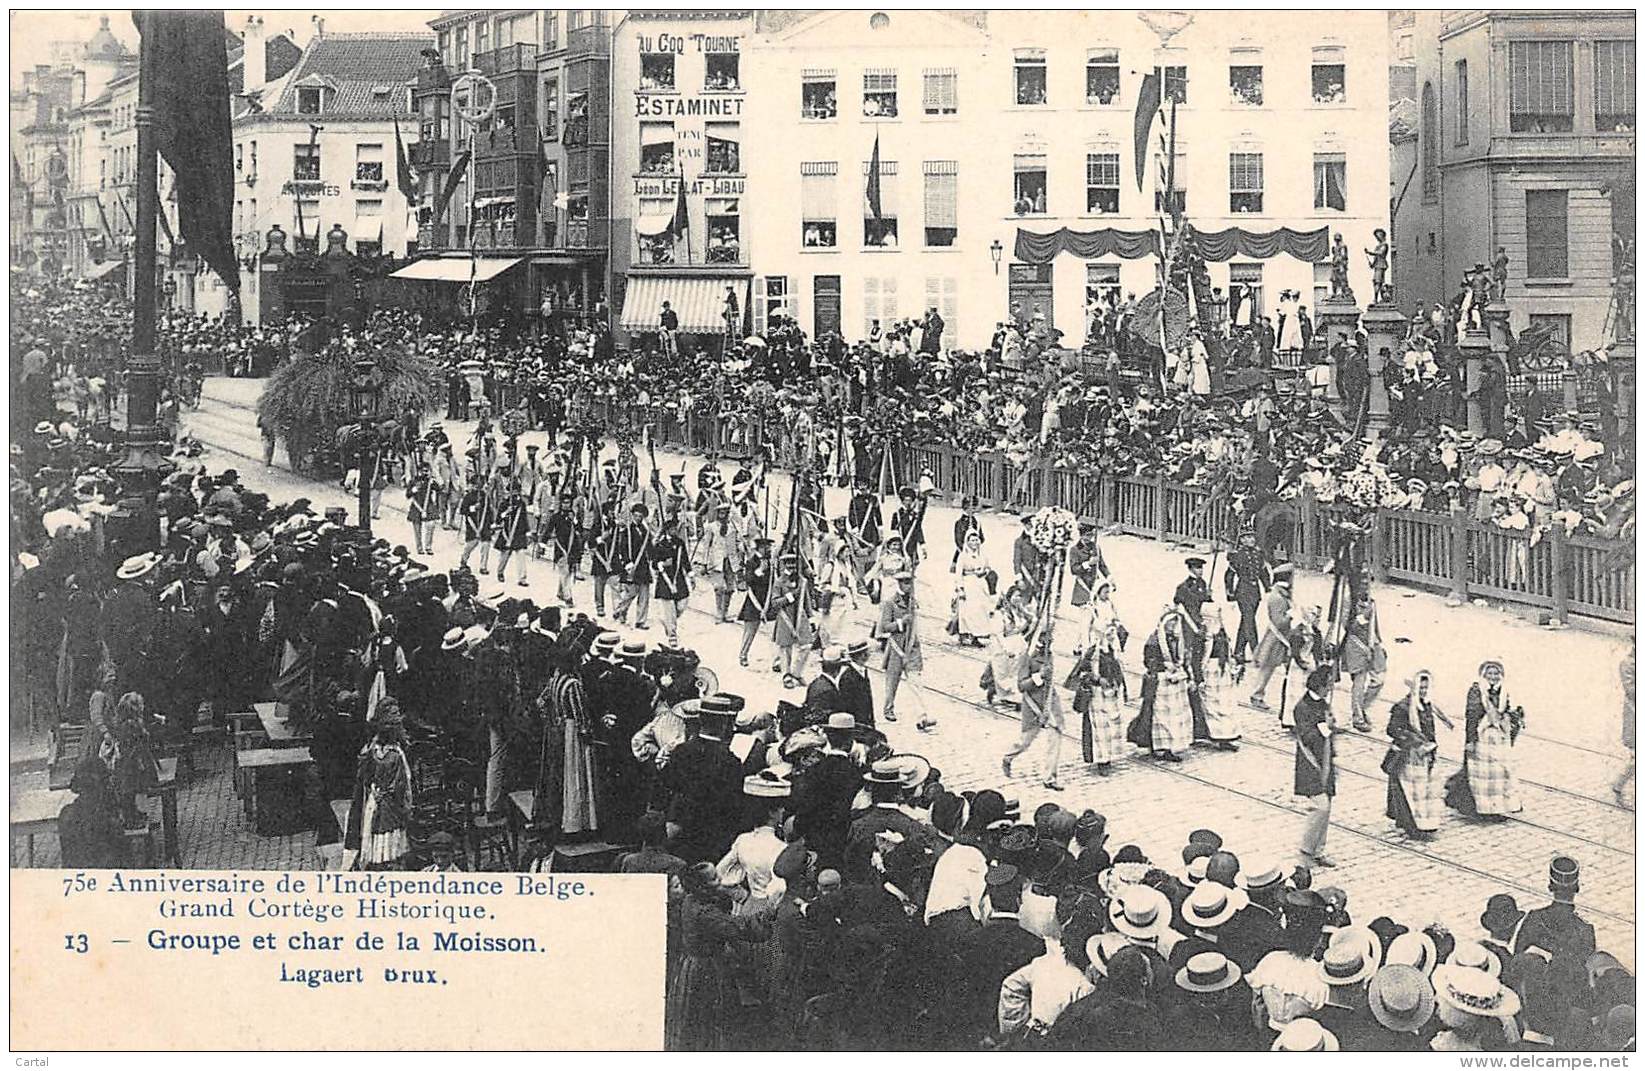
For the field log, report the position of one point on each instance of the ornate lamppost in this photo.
(365, 391)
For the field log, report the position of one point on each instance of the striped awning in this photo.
(457, 269)
(699, 300)
(103, 270)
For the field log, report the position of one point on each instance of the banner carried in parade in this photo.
(189, 63)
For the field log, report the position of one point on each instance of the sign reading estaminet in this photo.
(391, 959)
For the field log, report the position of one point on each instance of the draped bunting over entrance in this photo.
(1313, 247)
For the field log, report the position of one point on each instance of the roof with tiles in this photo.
(356, 68)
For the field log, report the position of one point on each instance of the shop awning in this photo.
(698, 299)
(102, 271)
(367, 228)
(654, 218)
(456, 269)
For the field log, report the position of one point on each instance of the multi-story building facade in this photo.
(1525, 141)
(529, 194)
(681, 115)
(1000, 124)
(315, 168)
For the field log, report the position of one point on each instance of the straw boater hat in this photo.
(770, 783)
(1304, 1035)
(1141, 913)
(1468, 989)
(1413, 949)
(1350, 958)
(1208, 972)
(1477, 956)
(1100, 948)
(137, 565)
(1401, 998)
(1210, 905)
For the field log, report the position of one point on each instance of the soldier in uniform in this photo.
(478, 517)
(601, 531)
(421, 510)
(863, 525)
(671, 574)
(1244, 581)
(564, 538)
(1557, 929)
(513, 531)
(631, 563)
(1275, 649)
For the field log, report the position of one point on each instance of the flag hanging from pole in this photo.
(1148, 98)
(873, 190)
(680, 224)
(192, 129)
(452, 182)
(404, 177)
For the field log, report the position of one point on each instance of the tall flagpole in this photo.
(143, 434)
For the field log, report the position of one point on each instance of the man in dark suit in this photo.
(704, 780)
(1316, 775)
(822, 795)
(856, 690)
(823, 696)
(1255, 930)
(885, 782)
(996, 952)
(1244, 581)
(1557, 928)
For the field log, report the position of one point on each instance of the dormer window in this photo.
(310, 100)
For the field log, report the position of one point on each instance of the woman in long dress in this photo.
(1414, 790)
(700, 995)
(1290, 325)
(565, 774)
(382, 795)
(1009, 642)
(883, 576)
(1165, 722)
(976, 602)
(1486, 784)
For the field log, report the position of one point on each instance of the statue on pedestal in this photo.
(1340, 290)
(1481, 288)
(1499, 275)
(1381, 289)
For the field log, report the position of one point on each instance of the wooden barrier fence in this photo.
(1456, 554)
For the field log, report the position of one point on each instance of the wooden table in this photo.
(279, 730)
(36, 811)
(254, 761)
(167, 791)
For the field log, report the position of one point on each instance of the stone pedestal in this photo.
(474, 371)
(1496, 327)
(1621, 357)
(1384, 329)
(1336, 319)
(1475, 347)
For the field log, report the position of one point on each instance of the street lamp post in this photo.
(365, 391)
(996, 250)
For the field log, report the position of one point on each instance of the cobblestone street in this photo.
(1567, 759)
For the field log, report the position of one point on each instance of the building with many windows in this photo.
(1525, 142)
(315, 167)
(680, 117)
(1010, 175)
(536, 183)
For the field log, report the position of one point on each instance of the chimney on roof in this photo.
(254, 56)
(319, 25)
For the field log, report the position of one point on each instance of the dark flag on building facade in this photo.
(1148, 98)
(452, 182)
(191, 127)
(404, 177)
(680, 224)
(873, 191)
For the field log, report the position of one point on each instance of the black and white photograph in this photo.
(1029, 530)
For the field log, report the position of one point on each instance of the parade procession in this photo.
(1190, 608)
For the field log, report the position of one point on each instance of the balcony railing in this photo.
(520, 57)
